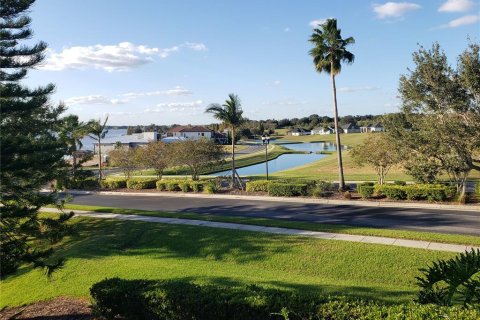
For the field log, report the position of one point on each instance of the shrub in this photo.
(426, 192)
(172, 186)
(399, 183)
(287, 190)
(477, 189)
(161, 185)
(453, 280)
(116, 183)
(391, 191)
(365, 190)
(139, 184)
(196, 186)
(211, 187)
(179, 300)
(258, 186)
(184, 186)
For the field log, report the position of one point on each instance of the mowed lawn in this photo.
(133, 249)
(327, 168)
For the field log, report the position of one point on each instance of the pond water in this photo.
(286, 161)
(88, 142)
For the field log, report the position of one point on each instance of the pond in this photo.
(286, 161)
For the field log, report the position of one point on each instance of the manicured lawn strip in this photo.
(335, 228)
(142, 250)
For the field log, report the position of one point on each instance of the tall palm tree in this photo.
(97, 131)
(328, 53)
(230, 113)
(72, 132)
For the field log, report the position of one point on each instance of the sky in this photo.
(164, 62)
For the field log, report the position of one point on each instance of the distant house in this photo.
(350, 128)
(298, 132)
(323, 130)
(372, 128)
(128, 140)
(190, 132)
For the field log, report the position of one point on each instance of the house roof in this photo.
(322, 129)
(189, 129)
(128, 138)
(349, 126)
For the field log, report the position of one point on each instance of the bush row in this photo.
(430, 192)
(179, 300)
(162, 185)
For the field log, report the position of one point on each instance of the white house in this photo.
(298, 132)
(190, 132)
(350, 128)
(375, 128)
(322, 130)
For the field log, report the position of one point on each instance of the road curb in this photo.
(472, 208)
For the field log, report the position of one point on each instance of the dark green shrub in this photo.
(287, 190)
(430, 192)
(391, 191)
(257, 186)
(399, 183)
(139, 183)
(196, 186)
(452, 281)
(117, 183)
(211, 187)
(161, 185)
(366, 191)
(179, 300)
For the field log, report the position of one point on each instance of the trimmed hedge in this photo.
(180, 300)
(139, 184)
(180, 185)
(477, 189)
(287, 189)
(258, 186)
(116, 183)
(365, 190)
(430, 192)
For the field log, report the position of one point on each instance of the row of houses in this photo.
(347, 128)
(177, 133)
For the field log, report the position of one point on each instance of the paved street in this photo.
(433, 220)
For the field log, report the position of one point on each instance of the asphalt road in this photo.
(433, 220)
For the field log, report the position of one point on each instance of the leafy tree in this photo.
(441, 114)
(379, 152)
(196, 154)
(230, 113)
(155, 155)
(97, 131)
(328, 53)
(31, 152)
(124, 158)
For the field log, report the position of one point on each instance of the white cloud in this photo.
(465, 20)
(358, 89)
(93, 99)
(177, 91)
(456, 6)
(394, 9)
(315, 23)
(119, 57)
(193, 107)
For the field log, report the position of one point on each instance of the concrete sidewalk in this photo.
(326, 201)
(275, 230)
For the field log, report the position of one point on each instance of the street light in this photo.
(266, 141)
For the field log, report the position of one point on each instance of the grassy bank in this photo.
(133, 249)
(335, 228)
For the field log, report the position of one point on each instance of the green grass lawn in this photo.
(327, 168)
(133, 250)
(324, 227)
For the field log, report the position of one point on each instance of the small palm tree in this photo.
(97, 131)
(328, 53)
(230, 113)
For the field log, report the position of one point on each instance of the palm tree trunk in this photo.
(233, 156)
(341, 183)
(99, 161)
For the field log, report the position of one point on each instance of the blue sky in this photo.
(163, 62)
